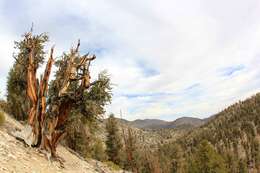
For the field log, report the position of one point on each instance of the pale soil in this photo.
(16, 157)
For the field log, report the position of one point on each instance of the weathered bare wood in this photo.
(55, 126)
(44, 85)
(77, 48)
(31, 82)
(46, 131)
(71, 70)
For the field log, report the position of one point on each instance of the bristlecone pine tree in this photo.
(47, 117)
(18, 102)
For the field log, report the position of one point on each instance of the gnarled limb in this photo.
(48, 126)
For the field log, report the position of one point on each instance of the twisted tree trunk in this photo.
(47, 127)
(32, 133)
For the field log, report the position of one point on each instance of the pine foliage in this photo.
(113, 143)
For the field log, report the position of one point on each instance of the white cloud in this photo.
(154, 50)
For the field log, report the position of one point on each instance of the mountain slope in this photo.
(186, 121)
(228, 143)
(145, 137)
(234, 133)
(15, 156)
(180, 123)
(148, 123)
(242, 118)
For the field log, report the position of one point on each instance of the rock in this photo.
(11, 156)
(26, 135)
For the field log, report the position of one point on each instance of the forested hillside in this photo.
(69, 111)
(228, 143)
(180, 123)
(146, 137)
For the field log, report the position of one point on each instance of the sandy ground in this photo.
(16, 157)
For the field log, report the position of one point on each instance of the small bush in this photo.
(2, 118)
(3, 105)
(98, 152)
(112, 166)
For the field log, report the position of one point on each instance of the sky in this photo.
(166, 59)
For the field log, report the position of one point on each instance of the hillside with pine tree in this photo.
(68, 112)
(227, 143)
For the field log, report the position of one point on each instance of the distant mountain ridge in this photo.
(183, 122)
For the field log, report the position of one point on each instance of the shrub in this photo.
(112, 165)
(3, 105)
(2, 118)
(99, 151)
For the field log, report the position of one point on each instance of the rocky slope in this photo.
(16, 157)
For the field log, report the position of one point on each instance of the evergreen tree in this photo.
(145, 161)
(17, 100)
(77, 137)
(131, 150)
(207, 160)
(255, 151)
(242, 167)
(113, 142)
(232, 162)
(70, 95)
(82, 120)
(175, 162)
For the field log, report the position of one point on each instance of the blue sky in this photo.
(166, 58)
